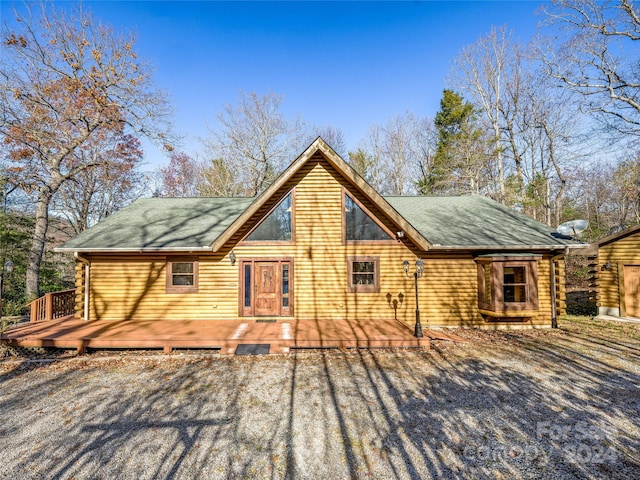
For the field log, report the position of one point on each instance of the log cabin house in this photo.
(617, 270)
(321, 244)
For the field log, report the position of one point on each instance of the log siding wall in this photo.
(133, 286)
(609, 281)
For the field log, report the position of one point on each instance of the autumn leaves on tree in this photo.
(74, 98)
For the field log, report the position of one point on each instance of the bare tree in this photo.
(535, 124)
(551, 140)
(218, 179)
(368, 159)
(607, 194)
(255, 141)
(65, 79)
(596, 54)
(393, 156)
(482, 70)
(333, 136)
(401, 152)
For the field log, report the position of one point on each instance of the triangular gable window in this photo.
(277, 226)
(359, 226)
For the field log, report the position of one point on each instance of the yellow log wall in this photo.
(561, 287)
(133, 286)
(624, 251)
(79, 280)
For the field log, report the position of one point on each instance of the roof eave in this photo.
(504, 247)
(132, 250)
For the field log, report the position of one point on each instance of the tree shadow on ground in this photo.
(558, 404)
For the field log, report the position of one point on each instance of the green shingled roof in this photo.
(194, 223)
(162, 224)
(474, 222)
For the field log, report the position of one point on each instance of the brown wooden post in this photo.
(49, 306)
(34, 311)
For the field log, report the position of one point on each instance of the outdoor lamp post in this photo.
(8, 267)
(417, 273)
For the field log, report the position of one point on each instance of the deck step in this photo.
(253, 349)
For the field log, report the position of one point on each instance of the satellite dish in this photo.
(572, 228)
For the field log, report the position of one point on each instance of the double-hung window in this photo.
(363, 274)
(182, 275)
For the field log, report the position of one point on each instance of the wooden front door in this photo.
(632, 290)
(266, 287)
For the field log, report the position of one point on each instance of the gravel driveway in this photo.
(541, 404)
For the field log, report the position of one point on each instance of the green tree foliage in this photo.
(56, 272)
(462, 158)
(362, 163)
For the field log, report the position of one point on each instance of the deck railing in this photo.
(53, 305)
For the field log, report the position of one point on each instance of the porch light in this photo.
(232, 257)
(8, 267)
(419, 267)
(417, 273)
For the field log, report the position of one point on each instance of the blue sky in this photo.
(344, 64)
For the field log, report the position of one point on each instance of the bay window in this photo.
(507, 285)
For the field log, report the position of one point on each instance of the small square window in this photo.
(182, 275)
(363, 274)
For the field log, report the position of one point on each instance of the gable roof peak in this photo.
(347, 172)
(618, 235)
(318, 145)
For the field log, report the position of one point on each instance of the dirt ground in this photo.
(559, 403)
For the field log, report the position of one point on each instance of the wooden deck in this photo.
(281, 336)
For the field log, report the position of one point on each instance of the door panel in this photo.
(266, 289)
(632, 290)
